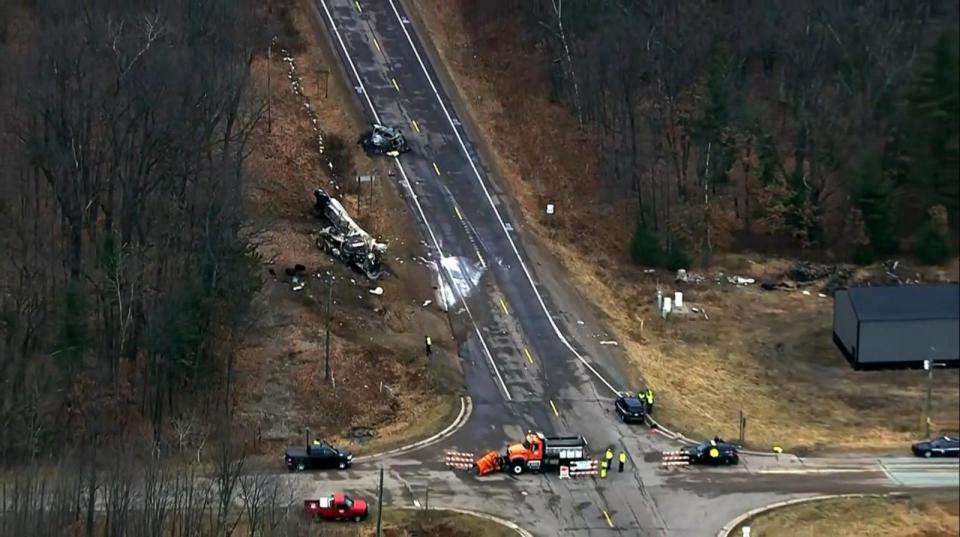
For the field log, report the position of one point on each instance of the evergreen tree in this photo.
(932, 130)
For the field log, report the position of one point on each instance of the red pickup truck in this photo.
(337, 506)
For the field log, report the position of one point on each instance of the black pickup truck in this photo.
(317, 456)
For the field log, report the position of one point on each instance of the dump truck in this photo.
(535, 453)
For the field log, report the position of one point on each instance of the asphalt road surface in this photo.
(527, 340)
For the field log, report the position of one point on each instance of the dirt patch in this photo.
(766, 354)
(382, 390)
(924, 516)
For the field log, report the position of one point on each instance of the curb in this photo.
(657, 426)
(497, 520)
(466, 408)
(727, 530)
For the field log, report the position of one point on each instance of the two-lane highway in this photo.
(523, 367)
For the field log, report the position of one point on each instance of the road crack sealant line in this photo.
(416, 200)
(526, 271)
(729, 527)
(495, 519)
(466, 409)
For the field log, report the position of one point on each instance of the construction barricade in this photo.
(584, 468)
(675, 458)
(459, 460)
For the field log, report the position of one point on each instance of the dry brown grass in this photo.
(408, 523)
(767, 354)
(855, 517)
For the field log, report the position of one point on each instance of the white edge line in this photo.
(415, 198)
(466, 409)
(486, 192)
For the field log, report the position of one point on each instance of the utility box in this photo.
(891, 327)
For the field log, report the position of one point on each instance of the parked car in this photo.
(713, 452)
(945, 446)
(337, 506)
(630, 408)
(317, 456)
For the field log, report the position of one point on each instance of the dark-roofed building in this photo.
(901, 326)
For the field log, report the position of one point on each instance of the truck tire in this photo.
(301, 466)
(516, 468)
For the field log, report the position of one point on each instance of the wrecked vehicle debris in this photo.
(384, 140)
(345, 239)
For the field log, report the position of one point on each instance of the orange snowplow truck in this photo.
(534, 454)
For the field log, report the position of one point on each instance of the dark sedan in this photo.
(713, 452)
(629, 408)
(945, 446)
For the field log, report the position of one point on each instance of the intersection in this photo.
(529, 360)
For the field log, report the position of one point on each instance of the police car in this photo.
(714, 451)
(629, 408)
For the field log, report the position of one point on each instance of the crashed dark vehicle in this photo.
(384, 140)
(345, 239)
(713, 452)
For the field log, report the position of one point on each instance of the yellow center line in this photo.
(480, 257)
(527, 353)
(554, 407)
(609, 522)
(377, 44)
(457, 210)
(395, 85)
(415, 126)
(359, 9)
(435, 168)
(503, 305)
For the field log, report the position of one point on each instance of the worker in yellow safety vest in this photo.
(608, 455)
(429, 343)
(649, 397)
(623, 460)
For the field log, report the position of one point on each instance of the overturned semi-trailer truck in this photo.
(345, 239)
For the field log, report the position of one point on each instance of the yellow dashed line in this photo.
(457, 210)
(554, 407)
(359, 9)
(395, 85)
(415, 126)
(527, 353)
(435, 168)
(503, 306)
(377, 44)
(606, 516)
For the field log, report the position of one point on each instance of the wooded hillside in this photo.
(125, 268)
(828, 126)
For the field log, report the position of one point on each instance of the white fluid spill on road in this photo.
(463, 276)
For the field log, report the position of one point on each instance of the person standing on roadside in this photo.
(649, 398)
